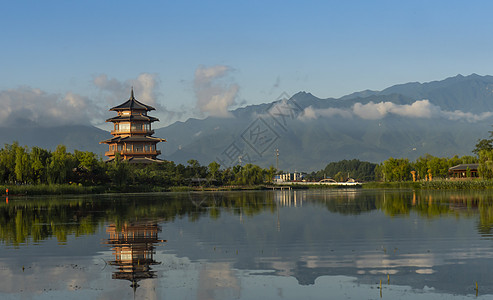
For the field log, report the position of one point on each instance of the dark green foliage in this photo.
(39, 218)
(356, 169)
(36, 166)
(20, 166)
(394, 169)
(483, 144)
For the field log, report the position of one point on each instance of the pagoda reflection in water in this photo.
(133, 247)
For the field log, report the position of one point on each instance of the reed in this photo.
(50, 189)
(439, 184)
(458, 184)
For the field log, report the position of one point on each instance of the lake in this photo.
(305, 244)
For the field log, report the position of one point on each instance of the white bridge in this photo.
(327, 181)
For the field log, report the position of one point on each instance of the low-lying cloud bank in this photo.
(375, 111)
(214, 89)
(27, 106)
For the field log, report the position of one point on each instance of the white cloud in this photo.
(146, 90)
(214, 96)
(470, 117)
(27, 106)
(313, 113)
(147, 85)
(376, 111)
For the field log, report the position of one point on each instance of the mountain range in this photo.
(304, 133)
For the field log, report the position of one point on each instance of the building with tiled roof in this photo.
(132, 133)
(464, 171)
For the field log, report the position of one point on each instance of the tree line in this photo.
(344, 169)
(425, 167)
(428, 167)
(21, 165)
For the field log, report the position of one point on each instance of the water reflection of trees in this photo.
(428, 204)
(24, 220)
(432, 204)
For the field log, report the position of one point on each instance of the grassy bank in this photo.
(392, 185)
(53, 189)
(478, 184)
(439, 184)
(67, 189)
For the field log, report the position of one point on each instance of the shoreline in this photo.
(67, 189)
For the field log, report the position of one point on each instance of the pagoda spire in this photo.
(132, 94)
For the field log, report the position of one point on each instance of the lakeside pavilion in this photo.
(464, 171)
(132, 133)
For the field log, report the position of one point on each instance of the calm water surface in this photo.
(316, 244)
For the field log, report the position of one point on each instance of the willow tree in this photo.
(485, 168)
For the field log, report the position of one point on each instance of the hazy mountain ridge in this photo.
(80, 137)
(473, 93)
(309, 143)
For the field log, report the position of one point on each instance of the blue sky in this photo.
(78, 53)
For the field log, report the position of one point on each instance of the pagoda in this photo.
(134, 246)
(132, 133)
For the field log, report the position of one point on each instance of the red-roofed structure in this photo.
(132, 133)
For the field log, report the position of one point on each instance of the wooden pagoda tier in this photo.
(133, 246)
(132, 133)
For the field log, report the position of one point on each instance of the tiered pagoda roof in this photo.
(133, 138)
(132, 118)
(132, 104)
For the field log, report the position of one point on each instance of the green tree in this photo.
(421, 166)
(61, 166)
(439, 167)
(39, 159)
(359, 170)
(485, 168)
(22, 165)
(270, 173)
(396, 169)
(214, 169)
(90, 168)
(119, 171)
(467, 159)
(250, 175)
(195, 170)
(483, 144)
(7, 163)
(339, 177)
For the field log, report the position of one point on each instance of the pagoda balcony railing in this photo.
(130, 131)
(132, 152)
